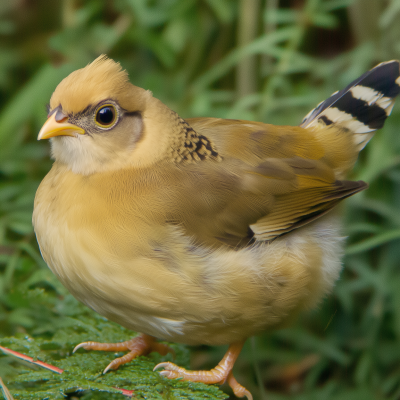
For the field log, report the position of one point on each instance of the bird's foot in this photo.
(139, 346)
(220, 374)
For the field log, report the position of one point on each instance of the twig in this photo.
(5, 391)
(31, 360)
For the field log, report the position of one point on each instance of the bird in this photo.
(200, 230)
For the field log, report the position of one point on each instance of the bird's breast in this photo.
(152, 277)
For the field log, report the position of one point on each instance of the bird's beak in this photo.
(56, 126)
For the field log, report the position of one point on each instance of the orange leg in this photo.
(139, 346)
(221, 373)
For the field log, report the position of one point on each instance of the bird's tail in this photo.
(362, 107)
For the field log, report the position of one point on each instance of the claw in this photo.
(109, 366)
(171, 370)
(164, 365)
(167, 374)
(79, 346)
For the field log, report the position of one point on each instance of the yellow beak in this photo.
(53, 128)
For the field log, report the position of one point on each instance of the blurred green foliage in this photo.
(265, 60)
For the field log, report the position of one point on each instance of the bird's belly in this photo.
(185, 293)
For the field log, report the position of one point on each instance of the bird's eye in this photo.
(106, 116)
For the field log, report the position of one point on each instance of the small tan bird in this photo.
(198, 231)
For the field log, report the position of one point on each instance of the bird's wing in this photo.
(271, 180)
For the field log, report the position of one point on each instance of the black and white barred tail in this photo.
(363, 106)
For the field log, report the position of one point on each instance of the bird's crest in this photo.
(101, 79)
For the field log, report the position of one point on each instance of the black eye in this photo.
(106, 116)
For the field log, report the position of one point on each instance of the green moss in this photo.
(83, 370)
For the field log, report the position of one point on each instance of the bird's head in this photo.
(98, 121)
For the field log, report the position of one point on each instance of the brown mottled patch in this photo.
(191, 147)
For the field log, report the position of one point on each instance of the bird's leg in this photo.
(221, 373)
(140, 345)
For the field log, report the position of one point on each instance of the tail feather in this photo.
(363, 106)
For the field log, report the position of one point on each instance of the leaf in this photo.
(374, 241)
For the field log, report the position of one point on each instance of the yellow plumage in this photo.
(204, 231)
